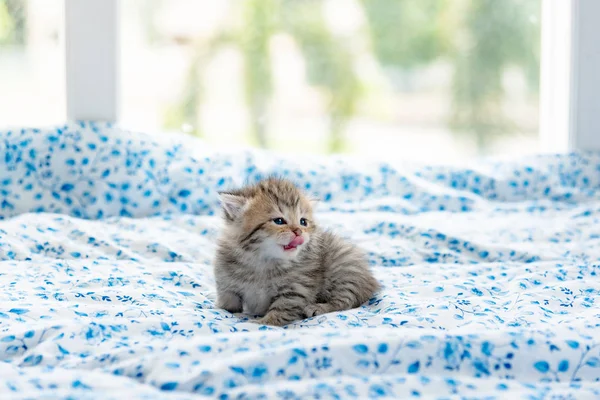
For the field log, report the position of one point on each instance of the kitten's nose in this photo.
(297, 231)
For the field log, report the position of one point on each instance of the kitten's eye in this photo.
(279, 221)
(303, 222)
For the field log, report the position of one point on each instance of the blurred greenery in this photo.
(407, 33)
(499, 34)
(329, 64)
(12, 22)
(259, 22)
(480, 39)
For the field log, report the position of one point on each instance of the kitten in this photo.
(273, 260)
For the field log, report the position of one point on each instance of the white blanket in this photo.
(490, 275)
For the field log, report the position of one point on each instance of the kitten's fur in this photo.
(256, 275)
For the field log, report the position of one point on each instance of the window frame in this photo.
(92, 60)
(570, 56)
(585, 80)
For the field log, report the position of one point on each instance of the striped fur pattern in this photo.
(273, 260)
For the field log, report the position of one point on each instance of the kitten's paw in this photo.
(231, 309)
(230, 302)
(312, 310)
(272, 319)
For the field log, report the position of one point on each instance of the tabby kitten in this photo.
(273, 261)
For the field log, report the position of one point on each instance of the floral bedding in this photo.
(490, 275)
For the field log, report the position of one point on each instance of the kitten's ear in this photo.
(233, 205)
(314, 201)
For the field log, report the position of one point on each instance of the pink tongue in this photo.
(298, 240)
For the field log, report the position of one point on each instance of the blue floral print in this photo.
(490, 275)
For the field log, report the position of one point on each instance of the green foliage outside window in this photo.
(480, 38)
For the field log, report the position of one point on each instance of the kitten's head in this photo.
(272, 218)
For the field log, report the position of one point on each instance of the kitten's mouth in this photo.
(291, 246)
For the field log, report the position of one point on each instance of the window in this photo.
(435, 80)
(32, 78)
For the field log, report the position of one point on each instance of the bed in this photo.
(490, 275)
